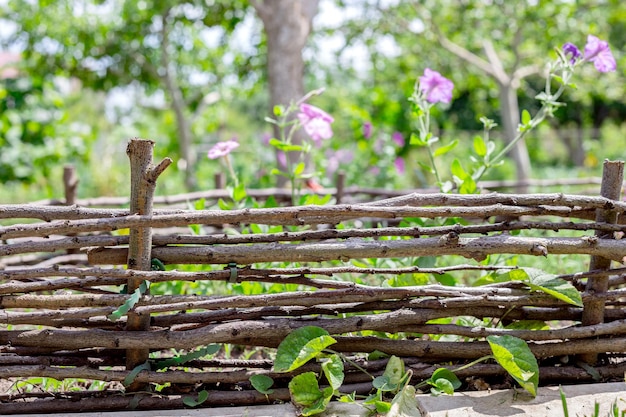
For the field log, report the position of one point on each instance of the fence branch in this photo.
(471, 247)
(612, 179)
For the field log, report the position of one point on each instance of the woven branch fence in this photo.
(61, 279)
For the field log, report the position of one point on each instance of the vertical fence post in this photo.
(143, 176)
(70, 183)
(593, 312)
(341, 185)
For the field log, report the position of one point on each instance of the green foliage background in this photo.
(76, 56)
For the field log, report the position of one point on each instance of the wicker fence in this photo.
(61, 281)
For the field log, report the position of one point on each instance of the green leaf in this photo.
(445, 149)
(279, 110)
(382, 383)
(468, 186)
(527, 325)
(394, 370)
(514, 355)
(479, 146)
(299, 169)
(300, 346)
(539, 280)
(404, 404)
(426, 167)
(333, 370)
(526, 118)
(239, 192)
(262, 383)
(223, 205)
(416, 140)
(444, 380)
(556, 287)
(457, 170)
(133, 374)
(442, 386)
(196, 354)
(304, 389)
(191, 402)
(276, 171)
(130, 301)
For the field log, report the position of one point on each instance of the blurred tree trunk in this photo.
(510, 115)
(287, 25)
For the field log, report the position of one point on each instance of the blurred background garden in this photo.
(80, 77)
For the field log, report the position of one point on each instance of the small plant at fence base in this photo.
(311, 342)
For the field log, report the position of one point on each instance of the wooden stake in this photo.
(143, 176)
(593, 313)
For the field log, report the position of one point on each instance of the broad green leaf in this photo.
(442, 386)
(444, 381)
(447, 375)
(394, 370)
(479, 146)
(333, 370)
(445, 149)
(300, 346)
(382, 383)
(191, 402)
(468, 186)
(196, 354)
(457, 170)
(239, 192)
(526, 118)
(304, 389)
(556, 287)
(539, 280)
(262, 383)
(305, 392)
(130, 301)
(514, 355)
(404, 404)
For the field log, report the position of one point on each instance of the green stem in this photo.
(231, 171)
(535, 121)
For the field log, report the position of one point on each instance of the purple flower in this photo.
(399, 163)
(437, 87)
(316, 122)
(222, 149)
(281, 157)
(367, 130)
(598, 52)
(398, 138)
(571, 50)
(335, 158)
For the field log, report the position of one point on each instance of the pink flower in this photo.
(367, 130)
(398, 138)
(316, 122)
(335, 158)
(436, 87)
(399, 163)
(281, 157)
(222, 149)
(598, 52)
